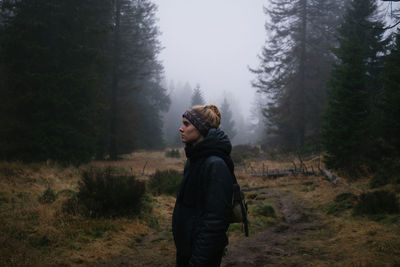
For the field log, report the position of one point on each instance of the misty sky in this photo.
(212, 43)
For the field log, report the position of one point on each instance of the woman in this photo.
(204, 201)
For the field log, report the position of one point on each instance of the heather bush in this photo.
(48, 196)
(342, 202)
(242, 152)
(109, 192)
(165, 182)
(386, 174)
(377, 202)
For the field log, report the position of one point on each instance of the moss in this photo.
(265, 210)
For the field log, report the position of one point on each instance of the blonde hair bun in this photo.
(210, 113)
(215, 109)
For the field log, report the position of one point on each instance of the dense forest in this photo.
(82, 80)
(328, 69)
(79, 79)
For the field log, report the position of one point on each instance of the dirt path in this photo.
(272, 247)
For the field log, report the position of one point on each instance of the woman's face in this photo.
(189, 133)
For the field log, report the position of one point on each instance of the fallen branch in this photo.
(144, 167)
(329, 176)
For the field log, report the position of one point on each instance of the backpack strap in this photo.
(243, 206)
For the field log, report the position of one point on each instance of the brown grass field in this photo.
(36, 234)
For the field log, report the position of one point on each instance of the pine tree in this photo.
(133, 88)
(295, 64)
(79, 77)
(227, 123)
(388, 113)
(197, 97)
(51, 67)
(180, 100)
(346, 135)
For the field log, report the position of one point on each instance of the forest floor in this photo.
(294, 221)
(300, 231)
(300, 234)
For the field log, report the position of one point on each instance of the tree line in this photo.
(79, 79)
(330, 72)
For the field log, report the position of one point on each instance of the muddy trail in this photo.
(274, 246)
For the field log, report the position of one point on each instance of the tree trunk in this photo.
(114, 86)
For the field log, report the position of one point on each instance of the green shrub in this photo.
(388, 173)
(67, 192)
(266, 210)
(172, 153)
(165, 182)
(108, 192)
(377, 202)
(346, 197)
(48, 196)
(341, 203)
(380, 178)
(71, 206)
(242, 152)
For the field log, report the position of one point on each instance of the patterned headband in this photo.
(197, 121)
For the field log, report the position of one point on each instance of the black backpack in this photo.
(239, 207)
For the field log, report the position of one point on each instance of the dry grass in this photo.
(146, 163)
(343, 240)
(38, 234)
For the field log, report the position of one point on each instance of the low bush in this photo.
(377, 202)
(71, 206)
(342, 202)
(388, 173)
(346, 198)
(165, 182)
(172, 153)
(109, 192)
(48, 196)
(242, 152)
(379, 179)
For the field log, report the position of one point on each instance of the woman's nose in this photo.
(180, 129)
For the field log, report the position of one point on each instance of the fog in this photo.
(211, 43)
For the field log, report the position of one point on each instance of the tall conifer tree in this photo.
(388, 114)
(295, 64)
(133, 88)
(227, 122)
(197, 97)
(51, 76)
(347, 136)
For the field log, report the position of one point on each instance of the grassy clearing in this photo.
(35, 229)
(38, 233)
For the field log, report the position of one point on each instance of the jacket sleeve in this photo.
(210, 237)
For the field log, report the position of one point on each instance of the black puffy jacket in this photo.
(204, 200)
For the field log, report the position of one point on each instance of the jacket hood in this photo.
(216, 143)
